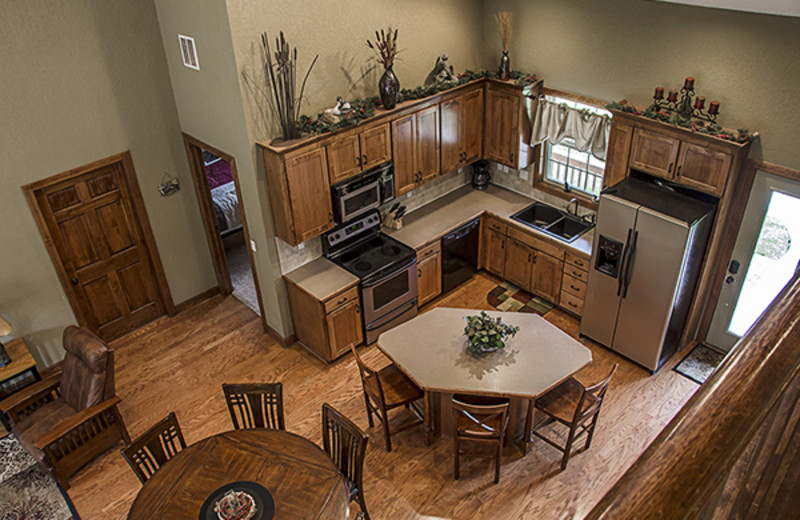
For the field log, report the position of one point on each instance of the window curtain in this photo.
(556, 122)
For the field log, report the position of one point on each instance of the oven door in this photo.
(389, 291)
(350, 205)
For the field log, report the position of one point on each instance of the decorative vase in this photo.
(389, 89)
(505, 66)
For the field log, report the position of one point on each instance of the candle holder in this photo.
(687, 106)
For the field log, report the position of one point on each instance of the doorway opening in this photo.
(217, 187)
(765, 257)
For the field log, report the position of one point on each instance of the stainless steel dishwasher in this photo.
(460, 255)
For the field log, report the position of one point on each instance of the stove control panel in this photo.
(353, 228)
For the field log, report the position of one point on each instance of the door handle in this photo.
(628, 266)
(358, 161)
(74, 281)
(330, 217)
(512, 157)
(621, 270)
(669, 170)
(678, 172)
(365, 159)
(358, 309)
(419, 272)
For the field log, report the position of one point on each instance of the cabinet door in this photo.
(472, 125)
(309, 194)
(495, 253)
(519, 259)
(376, 146)
(452, 149)
(502, 127)
(344, 328)
(702, 168)
(619, 148)
(344, 159)
(427, 146)
(429, 283)
(546, 276)
(654, 153)
(403, 138)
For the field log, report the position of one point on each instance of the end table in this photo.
(21, 363)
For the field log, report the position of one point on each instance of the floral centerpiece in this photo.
(486, 334)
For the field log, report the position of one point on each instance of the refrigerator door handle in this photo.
(628, 269)
(623, 263)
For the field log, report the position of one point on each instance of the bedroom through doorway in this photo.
(218, 193)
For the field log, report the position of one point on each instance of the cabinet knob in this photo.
(678, 172)
(330, 217)
(419, 272)
(511, 157)
(358, 309)
(74, 281)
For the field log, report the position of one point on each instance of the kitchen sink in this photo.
(553, 221)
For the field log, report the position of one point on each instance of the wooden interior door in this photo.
(427, 149)
(376, 146)
(98, 243)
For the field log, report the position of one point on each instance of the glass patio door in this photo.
(765, 257)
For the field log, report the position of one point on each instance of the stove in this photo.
(386, 267)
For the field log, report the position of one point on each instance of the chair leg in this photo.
(527, 432)
(590, 433)
(369, 411)
(568, 449)
(363, 504)
(386, 434)
(497, 462)
(455, 457)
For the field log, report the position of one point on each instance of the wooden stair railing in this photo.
(733, 451)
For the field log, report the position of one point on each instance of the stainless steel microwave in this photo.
(358, 195)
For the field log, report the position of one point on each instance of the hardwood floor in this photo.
(180, 364)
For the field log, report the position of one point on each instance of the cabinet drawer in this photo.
(580, 274)
(577, 261)
(536, 242)
(340, 299)
(571, 303)
(573, 286)
(497, 225)
(429, 250)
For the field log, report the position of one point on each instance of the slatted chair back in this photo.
(255, 405)
(592, 399)
(146, 454)
(370, 380)
(481, 421)
(346, 445)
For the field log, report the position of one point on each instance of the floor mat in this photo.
(27, 490)
(244, 288)
(508, 297)
(699, 363)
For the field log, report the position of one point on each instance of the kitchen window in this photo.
(559, 124)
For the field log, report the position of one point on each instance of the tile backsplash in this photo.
(293, 257)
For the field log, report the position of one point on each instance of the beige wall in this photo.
(82, 80)
(622, 49)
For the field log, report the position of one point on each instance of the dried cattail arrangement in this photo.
(385, 46)
(504, 24)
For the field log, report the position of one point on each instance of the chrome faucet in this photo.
(573, 201)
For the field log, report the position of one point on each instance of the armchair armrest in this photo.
(30, 398)
(74, 422)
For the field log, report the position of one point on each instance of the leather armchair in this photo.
(71, 417)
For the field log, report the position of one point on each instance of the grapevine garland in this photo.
(742, 135)
(365, 108)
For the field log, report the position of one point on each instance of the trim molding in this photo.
(280, 340)
(197, 298)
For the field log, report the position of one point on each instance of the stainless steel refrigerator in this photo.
(648, 249)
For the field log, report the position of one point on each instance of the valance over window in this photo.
(557, 122)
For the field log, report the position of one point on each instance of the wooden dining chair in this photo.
(255, 405)
(385, 390)
(479, 419)
(346, 445)
(573, 405)
(148, 452)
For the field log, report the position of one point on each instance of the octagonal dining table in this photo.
(431, 350)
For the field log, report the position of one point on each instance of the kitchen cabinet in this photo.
(493, 243)
(461, 130)
(300, 194)
(546, 276)
(703, 168)
(326, 327)
(573, 284)
(619, 149)
(353, 153)
(654, 153)
(518, 264)
(429, 272)
(507, 124)
(415, 148)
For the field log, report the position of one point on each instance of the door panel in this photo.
(495, 253)
(403, 137)
(452, 114)
(519, 258)
(654, 153)
(653, 269)
(344, 328)
(546, 276)
(502, 127)
(344, 158)
(427, 149)
(619, 148)
(310, 194)
(472, 126)
(702, 168)
(99, 249)
(376, 146)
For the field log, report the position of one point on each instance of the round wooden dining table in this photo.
(302, 479)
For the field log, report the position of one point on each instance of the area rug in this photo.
(699, 363)
(508, 297)
(28, 492)
(244, 288)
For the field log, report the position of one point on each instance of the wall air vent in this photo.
(188, 52)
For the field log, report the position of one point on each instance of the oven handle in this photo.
(392, 315)
(373, 283)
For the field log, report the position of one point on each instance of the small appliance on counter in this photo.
(481, 175)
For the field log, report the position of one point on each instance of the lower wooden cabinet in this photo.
(546, 276)
(573, 283)
(518, 264)
(429, 272)
(326, 327)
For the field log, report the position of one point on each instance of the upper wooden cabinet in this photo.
(354, 153)
(696, 160)
(415, 148)
(462, 130)
(300, 193)
(507, 124)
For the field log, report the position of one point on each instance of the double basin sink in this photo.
(553, 221)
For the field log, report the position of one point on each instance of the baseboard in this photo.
(194, 300)
(280, 340)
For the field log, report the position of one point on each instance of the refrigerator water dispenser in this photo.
(609, 256)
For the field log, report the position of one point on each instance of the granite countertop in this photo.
(447, 213)
(321, 278)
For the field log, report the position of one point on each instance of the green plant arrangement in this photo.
(486, 334)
